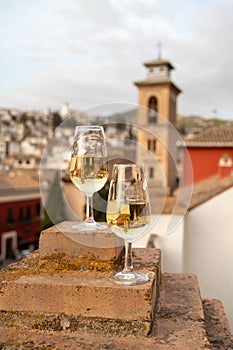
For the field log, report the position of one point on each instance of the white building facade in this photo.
(201, 243)
(208, 248)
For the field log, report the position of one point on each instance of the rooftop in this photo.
(158, 62)
(158, 80)
(209, 188)
(201, 193)
(19, 179)
(217, 136)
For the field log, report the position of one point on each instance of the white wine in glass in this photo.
(88, 168)
(128, 214)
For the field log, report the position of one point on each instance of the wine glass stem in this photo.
(89, 210)
(128, 257)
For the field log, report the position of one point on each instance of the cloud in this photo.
(64, 50)
(205, 73)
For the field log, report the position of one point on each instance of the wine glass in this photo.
(128, 214)
(88, 169)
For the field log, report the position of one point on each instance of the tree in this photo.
(56, 119)
(54, 211)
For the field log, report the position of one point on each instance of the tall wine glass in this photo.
(88, 169)
(128, 214)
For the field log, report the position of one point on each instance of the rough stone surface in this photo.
(61, 238)
(180, 318)
(179, 324)
(11, 339)
(217, 326)
(60, 297)
(88, 297)
(83, 294)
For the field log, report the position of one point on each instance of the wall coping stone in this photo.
(61, 238)
(86, 296)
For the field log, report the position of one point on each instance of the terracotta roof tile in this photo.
(221, 136)
(209, 188)
(201, 193)
(19, 179)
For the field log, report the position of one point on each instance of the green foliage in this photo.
(195, 124)
(100, 203)
(56, 119)
(55, 206)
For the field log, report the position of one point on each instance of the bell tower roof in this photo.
(159, 62)
(159, 66)
(158, 72)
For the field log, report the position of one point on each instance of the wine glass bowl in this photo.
(88, 168)
(128, 214)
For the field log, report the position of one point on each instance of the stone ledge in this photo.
(58, 322)
(179, 325)
(180, 318)
(217, 326)
(83, 294)
(61, 238)
(88, 297)
(12, 339)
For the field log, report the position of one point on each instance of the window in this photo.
(225, 160)
(151, 173)
(28, 213)
(9, 217)
(25, 214)
(153, 108)
(37, 209)
(20, 213)
(151, 145)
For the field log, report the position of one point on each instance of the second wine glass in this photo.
(88, 168)
(128, 214)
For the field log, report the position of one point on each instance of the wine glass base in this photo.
(93, 226)
(129, 278)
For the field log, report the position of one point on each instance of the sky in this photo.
(90, 52)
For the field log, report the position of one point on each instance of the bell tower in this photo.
(157, 96)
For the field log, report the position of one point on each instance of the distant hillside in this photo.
(196, 124)
(186, 125)
(129, 116)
